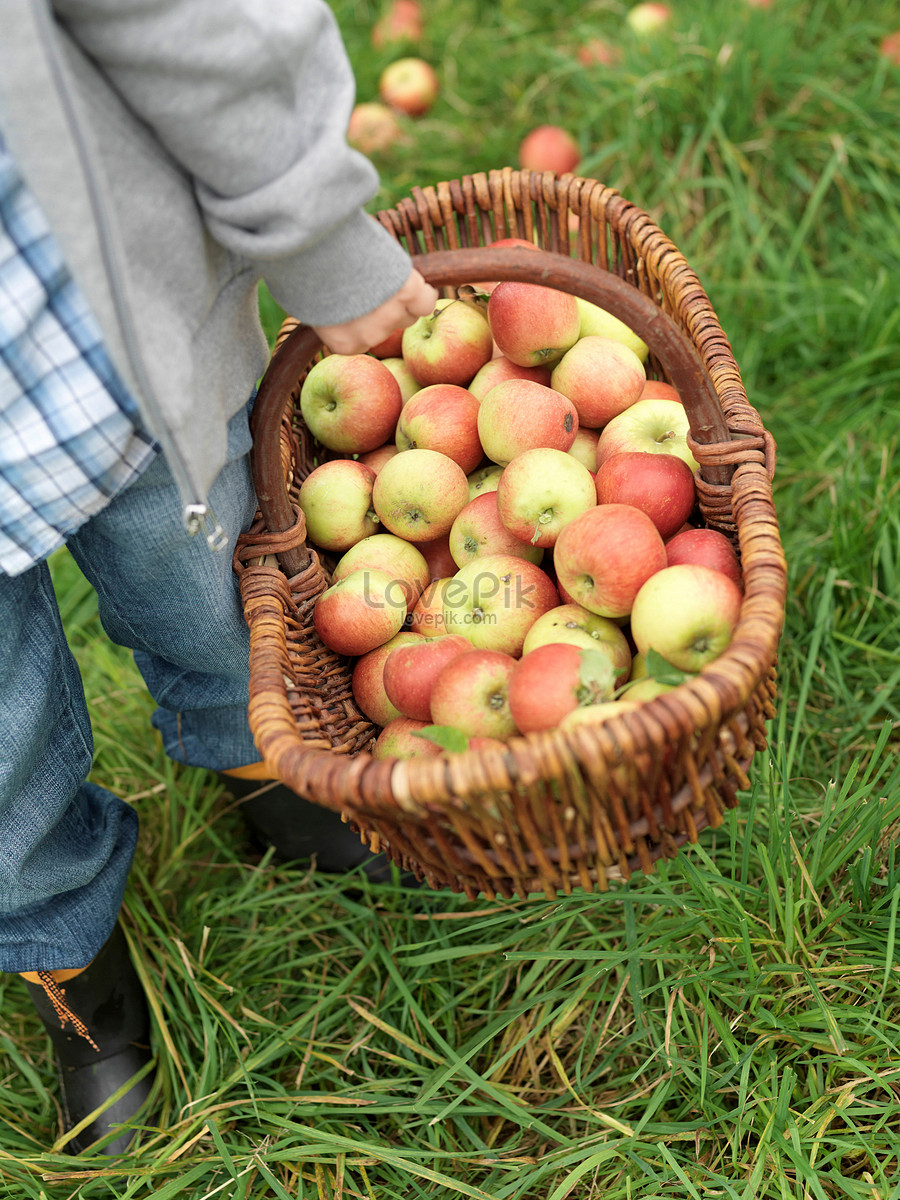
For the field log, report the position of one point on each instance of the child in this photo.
(156, 161)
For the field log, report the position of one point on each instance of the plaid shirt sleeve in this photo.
(69, 430)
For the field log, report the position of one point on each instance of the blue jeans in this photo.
(66, 845)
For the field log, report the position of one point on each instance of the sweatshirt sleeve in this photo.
(252, 99)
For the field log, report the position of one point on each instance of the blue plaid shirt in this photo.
(68, 436)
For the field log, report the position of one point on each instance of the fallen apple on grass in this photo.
(409, 85)
(549, 148)
(400, 22)
(552, 680)
(373, 127)
(648, 18)
(350, 402)
(687, 614)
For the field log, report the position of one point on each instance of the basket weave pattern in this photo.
(553, 811)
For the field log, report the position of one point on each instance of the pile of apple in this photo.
(507, 505)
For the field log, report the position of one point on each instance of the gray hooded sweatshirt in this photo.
(182, 150)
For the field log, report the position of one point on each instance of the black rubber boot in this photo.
(104, 1042)
(300, 830)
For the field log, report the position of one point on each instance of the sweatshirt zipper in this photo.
(197, 513)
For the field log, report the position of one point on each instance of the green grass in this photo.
(725, 1027)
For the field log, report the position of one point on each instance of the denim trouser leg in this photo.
(66, 846)
(176, 603)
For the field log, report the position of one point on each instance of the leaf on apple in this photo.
(448, 737)
(662, 671)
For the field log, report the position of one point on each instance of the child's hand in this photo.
(415, 299)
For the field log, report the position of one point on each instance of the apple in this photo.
(655, 426)
(605, 556)
(584, 448)
(373, 128)
(578, 627)
(647, 688)
(499, 369)
(520, 415)
(549, 148)
(410, 672)
(409, 85)
(418, 494)
(487, 286)
(389, 347)
(552, 680)
(398, 558)
(686, 613)
(648, 18)
(601, 377)
(358, 613)
(532, 325)
(658, 389)
(398, 740)
(479, 531)
(597, 322)
(367, 680)
(889, 47)
(400, 22)
(707, 547)
(596, 714)
(409, 385)
(494, 601)
(336, 500)
(448, 345)
(444, 417)
(437, 554)
(471, 694)
(596, 52)
(541, 491)
(375, 459)
(427, 616)
(484, 480)
(350, 402)
(660, 485)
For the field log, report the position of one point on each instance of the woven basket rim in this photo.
(703, 706)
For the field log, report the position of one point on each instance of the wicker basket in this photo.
(553, 811)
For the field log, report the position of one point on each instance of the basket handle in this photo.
(452, 268)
